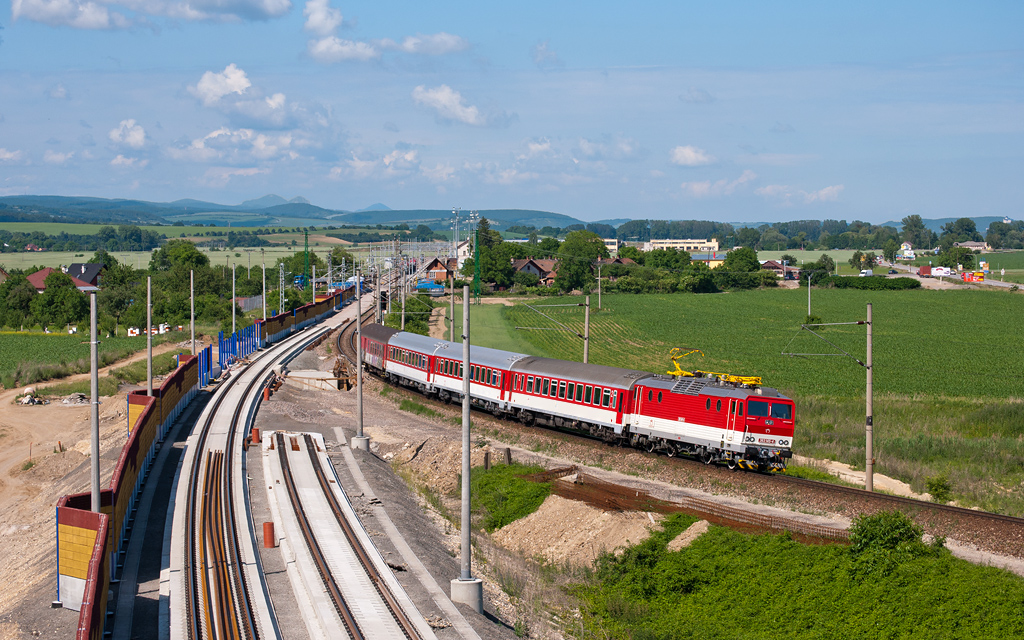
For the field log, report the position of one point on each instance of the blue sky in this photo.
(733, 111)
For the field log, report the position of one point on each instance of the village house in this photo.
(973, 246)
(38, 280)
(439, 270)
(545, 269)
(86, 272)
(783, 271)
(712, 259)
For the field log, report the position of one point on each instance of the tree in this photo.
(747, 237)
(338, 254)
(16, 295)
(869, 261)
(603, 230)
(788, 260)
(102, 257)
(181, 253)
(488, 238)
(890, 249)
(960, 230)
(956, 257)
(741, 261)
(856, 260)
(632, 253)
(577, 255)
(117, 293)
(547, 247)
(61, 302)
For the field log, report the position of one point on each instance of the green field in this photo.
(727, 585)
(28, 358)
(948, 381)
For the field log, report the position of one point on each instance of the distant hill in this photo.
(375, 207)
(936, 224)
(615, 222)
(298, 210)
(299, 200)
(265, 202)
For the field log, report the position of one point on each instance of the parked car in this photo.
(892, 272)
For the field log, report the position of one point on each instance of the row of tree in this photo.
(122, 238)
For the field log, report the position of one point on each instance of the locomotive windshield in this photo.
(757, 409)
(782, 411)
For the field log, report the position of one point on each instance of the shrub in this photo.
(939, 487)
(871, 283)
(885, 530)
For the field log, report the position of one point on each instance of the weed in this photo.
(28, 465)
(940, 488)
(412, 406)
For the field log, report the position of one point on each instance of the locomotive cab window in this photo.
(659, 396)
(707, 405)
(782, 411)
(718, 405)
(650, 395)
(757, 409)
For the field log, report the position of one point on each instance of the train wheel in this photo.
(650, 445)
(706, 457)
(732, 464)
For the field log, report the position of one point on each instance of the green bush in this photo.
(502, 495)
(885, 530)
(940, 488)
(871, 283)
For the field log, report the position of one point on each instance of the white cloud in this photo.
(128, 133)
(706, 188)
(121, 161)
(435, 44)
(87, 14)
(697, 96)
(9, 156)
(214, 86)
(334, 49)
(828, 194)
(439, 173)
(544, 56)
(690, 156)
(68, 13)
(276, 101)
(220, 176)
(609, 149)
(55, 157)
(448, 104)
(58, 92)
(786, 193)
(321, 18)
(240, 145)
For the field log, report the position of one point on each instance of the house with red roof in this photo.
(38, 280)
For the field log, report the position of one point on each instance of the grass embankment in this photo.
(500, 495)
(133, 373)
(733, 585)
(30, 358)
(948, 392)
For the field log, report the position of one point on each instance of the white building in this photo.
(691, 245)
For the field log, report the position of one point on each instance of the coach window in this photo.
(579, 393)
(460, 370)
(561, 390)
(572, 390)
(621, 396)
(554, 388)
(606, 400)
(529, 384)
(546, 383)
(586, 398)
(659, 396)
(496, 378)
(718, 405)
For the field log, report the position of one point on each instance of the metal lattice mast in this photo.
(305, 269)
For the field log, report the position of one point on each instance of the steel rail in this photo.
(364, 557)
(347, 616)
(234, 588)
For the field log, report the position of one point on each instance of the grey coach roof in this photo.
(482, 356)
(378, 332)
(588, 373)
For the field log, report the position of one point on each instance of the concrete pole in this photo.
(192, 307)
(264, 291)
(809, 274)
(376, 295)
(586, 332)
(466, 589)
(403, 294)
(232, 299)
(359, 441)
(94, 410)
(451, 316)
(598, 287)
(149, 336)
(314, 282)
(869, 453)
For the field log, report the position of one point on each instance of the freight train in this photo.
(706, 417)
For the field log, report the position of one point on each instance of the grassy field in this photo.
(28, 358)
(948, 384)
(729, 584)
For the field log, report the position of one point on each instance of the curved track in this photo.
(219, 599)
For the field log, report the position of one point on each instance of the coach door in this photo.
(731, 421)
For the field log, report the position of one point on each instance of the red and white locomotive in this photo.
(743, 425)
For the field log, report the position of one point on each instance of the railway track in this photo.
(224, 596)
(976, 525)
(364, 601)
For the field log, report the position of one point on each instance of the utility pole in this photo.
(586, 332)
(264, 291)
(280, 298)
(149, 336)
(869, 454)
(451, 316)
(466, 589)
(598, 285)
(403, 293)
(232, 299)
(192, 307)
(94, 410)
(359, 441)
(376, 295)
